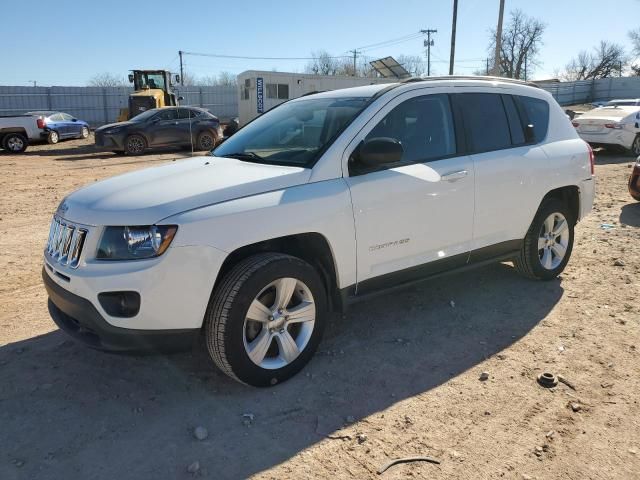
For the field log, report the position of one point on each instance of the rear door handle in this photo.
(453, 176)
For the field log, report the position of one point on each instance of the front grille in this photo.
(65, 242)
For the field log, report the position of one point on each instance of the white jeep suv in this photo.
(320, 202)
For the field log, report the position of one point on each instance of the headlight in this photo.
(131, 243)
(111, 131)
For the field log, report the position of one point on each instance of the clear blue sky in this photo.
(67, 42)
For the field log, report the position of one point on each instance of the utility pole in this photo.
(355, 55)
(34, 83)
(428, 43)
(453, 36)
(180, 52)
(496, 65)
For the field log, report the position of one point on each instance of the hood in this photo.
(111, 125)
(148, 196)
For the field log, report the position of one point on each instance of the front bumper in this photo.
(112, 142)
(80, 319)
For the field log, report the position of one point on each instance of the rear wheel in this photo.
(135, 145)
(15, 142)
(548, 244)
(53, 137)
(206, 141)
(85, 132)
(265, 319)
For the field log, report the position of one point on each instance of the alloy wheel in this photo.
(553, 241)
(15, 144)
(635, 148)
(206, 142)
(135, 145)
(85, 132)
(279, 323)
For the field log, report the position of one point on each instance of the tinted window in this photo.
(169, 114)
(537, 113)
(424, 127)
(56, 117)
(184, 113)
(485, 121)
(515, 123)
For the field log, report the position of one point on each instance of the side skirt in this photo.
(392, 282)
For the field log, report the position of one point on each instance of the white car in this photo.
(617, 126)
(320, 202)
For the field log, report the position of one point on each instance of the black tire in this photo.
(224, 325)
(53, 137)
(206, 141)
(635, 146)
(15, 143)
(84, 132)
(529, 262)
(135, 145)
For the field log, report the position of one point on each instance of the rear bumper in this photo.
(621, 138)
(81, 320)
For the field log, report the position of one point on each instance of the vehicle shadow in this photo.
(630, 214)
(71, 412)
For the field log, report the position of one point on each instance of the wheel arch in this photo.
(312, 247)
(570, 195)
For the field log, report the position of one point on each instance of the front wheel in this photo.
(134, 145)
(548, 244)
(265, 319)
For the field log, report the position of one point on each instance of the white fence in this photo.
(101, 105)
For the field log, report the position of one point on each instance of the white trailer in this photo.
(260, 90)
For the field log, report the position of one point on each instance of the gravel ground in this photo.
(398, 376)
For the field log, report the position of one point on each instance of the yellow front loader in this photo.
(153, 89)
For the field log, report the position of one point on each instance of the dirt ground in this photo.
(395, 377)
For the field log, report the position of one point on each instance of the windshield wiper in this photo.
(250, 156)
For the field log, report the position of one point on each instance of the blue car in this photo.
(58, 126)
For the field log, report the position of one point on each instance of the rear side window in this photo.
(515, 123)
(485, 121)
(537, 114)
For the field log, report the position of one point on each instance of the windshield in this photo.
(151, 80)
(144, 116)
(294, 133)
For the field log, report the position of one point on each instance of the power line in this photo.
(391, 42)
(242, 57)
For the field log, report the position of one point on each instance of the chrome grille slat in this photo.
(65, 242)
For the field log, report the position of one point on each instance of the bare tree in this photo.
(520, 44)
(606, 60)
(322, 64)
(414, 64)
(634, 35)
(107, 79)
(223, 78)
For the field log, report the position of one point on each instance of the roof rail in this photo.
(470, 77)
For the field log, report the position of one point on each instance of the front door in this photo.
(165, 128)
(416, 217)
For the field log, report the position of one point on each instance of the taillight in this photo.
(41, 122)
(575, 124)
(617, 126)
(592, 159)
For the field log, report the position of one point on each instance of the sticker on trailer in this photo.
(260, 94)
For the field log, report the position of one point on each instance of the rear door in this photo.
(72, 129)
(508, 169)
(56, 122)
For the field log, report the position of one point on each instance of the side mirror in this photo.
(529, 134)
(376, 152)
(177, 78)
(131, 78)
(74, 119)
(180, 98)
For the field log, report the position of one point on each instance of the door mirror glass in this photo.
(379, 151)
(131, 78)
(177, 78)
(74, 119)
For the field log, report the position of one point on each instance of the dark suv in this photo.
(162, 127)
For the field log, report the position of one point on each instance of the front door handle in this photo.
(453, 176)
